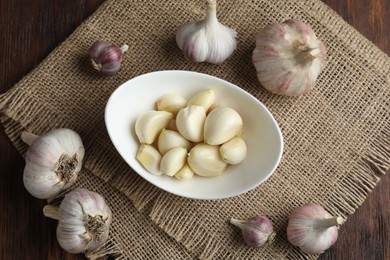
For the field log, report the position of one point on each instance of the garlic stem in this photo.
(28, 138)
(51, 211)
(124, 48)
(211, 13)
(328, 222)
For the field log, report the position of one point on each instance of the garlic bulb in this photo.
(204, 160)
(222, 124)
(190, 122)
(150, 158)
(106, 57)
(207, 39)
(53, 162)
(256, 231)
(149, 125)
(233, 151)
(84, 219)
(171, 103)
(312, 228)
(169, 139)
(173, 161)
(288, 58)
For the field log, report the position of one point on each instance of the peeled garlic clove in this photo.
(172, 125)
(233, 151)
(256, 231)
(150, 158)
(312, 228)
(149, 125)
(173, 161)
(184, 173)
(169, 139)
(53, 162)
(171, 103)
(205, 160)
(221, 125)
(288, 58)
(203, 98)
(190, 121)
(207, 39)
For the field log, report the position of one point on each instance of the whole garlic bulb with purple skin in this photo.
(207, 40)
(312, 228)
(288, 58)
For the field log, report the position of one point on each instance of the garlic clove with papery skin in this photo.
(84, 219)
(53, 161)
(207, 39)
(288, 58)
(312, 228)
(256, 231)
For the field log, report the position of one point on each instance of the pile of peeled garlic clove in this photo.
(186, 137)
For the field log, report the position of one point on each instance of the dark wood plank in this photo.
(32, 29)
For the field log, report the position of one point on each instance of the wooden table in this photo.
(30, 30)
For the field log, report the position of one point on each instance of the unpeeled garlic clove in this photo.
(222, 124)
(204, 160)
(185, 173)
(171, 103)
(204, 98)
(169, 139)
(256, 231)
(233, 151)
(173, 161)
(150, 158)
(149, 125)
(190, 121)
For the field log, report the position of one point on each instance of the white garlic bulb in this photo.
(53, 162)
(207, 39)
(288, 58)
(312, 228)
(190, 121)
(204, 98)
(169, 139)
(222, 124)
(233, 151)
(204, 160)
(173, 161)
(171, 103)
(84, 220)
(150, 158)
(149, 125)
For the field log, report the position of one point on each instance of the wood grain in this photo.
(32, 29)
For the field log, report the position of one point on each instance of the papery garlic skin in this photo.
(233, 151)
(207, 39)
(149, 125)
(84, 221)
(222, 124)
(288, 58)
(190, 121)
(150, 158)
(173, 161)
(312, 228)
(53, 162)
(256, 231)
(204, 160)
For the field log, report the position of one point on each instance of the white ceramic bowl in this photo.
(261, 132)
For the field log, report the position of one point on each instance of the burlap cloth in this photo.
(336, 137)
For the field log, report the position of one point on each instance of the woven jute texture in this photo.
(337, 137)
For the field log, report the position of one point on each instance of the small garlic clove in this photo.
(222, 124)
(205, 160)
(150, 158)
(207, 39)
(204, 98)
(256, 231)
(185, 173)
(233, 151)
(149, 125)
(312, 228)
(171, 103)
(172, 125)
(169, 139)
(173, 161)
(190, 121)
